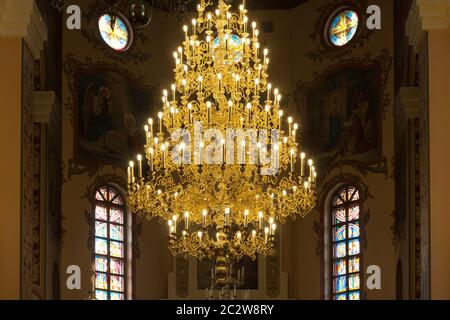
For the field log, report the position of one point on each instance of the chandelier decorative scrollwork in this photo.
(224, 166)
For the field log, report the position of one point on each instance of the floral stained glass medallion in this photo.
(117, 36)
(343, 27)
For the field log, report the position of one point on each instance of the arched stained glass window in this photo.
(343, 27)
(346, 244)
(110, 245)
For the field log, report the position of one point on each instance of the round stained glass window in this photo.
(235, 44)
(118, 38)
(342, 27)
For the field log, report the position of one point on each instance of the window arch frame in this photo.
(127, 257)
(328, 242)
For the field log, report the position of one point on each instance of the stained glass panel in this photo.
(353, 213)
(353, 247)
(342, 296)
(101, 246)
(101, 229)
(101, 281)
(343, 28)
(100, 196)
(116, 249)
(117, 266)
(355, 195)
(117, 283)
(353, 265)
(118, 200)
(340, 284)
(353, 230)
(339, 250)
(101, 295)
(337, 201)
(340, 267)
(117, 296)
(343, 194)
(100, 213)
(339, 216)
(101, 264)
(354, 295)
(116, 232)
(116, 215)
(353, 282)
(340, 233)
(117, 37)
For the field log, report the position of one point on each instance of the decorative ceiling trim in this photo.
(427, 15)
(23, 19)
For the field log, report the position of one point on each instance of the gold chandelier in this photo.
(223, 170)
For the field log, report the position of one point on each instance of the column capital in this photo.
(23, 19)
(427, 15)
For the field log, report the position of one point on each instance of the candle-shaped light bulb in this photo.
(246, 218)
(194, 24)
(170, 223)
(260, 217)
(230, 110)
(208, 107)
(266, 234)
(310, 164)
(269, 89)
(274, 227)
(227, 216)
(204, 214)
(302, 163)
(186, 220)
(190, 112)
(139, 158)
(200, 235)
(239, 235)
(243, 144)
(174, 219)
(290, 125)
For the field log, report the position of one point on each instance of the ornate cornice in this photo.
(23, 19)
(427, 15)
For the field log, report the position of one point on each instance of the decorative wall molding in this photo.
(426, 15)
(408, 102)
(23, 19)
(44, 102)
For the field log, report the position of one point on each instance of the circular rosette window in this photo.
(342, 27)
(234, 44)
(116, 33)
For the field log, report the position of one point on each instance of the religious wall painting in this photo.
(339, 29)
(343, 112)
(110, 106)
